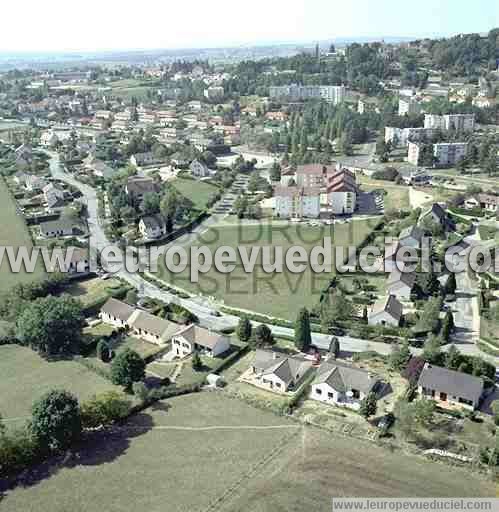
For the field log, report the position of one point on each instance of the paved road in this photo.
(201, 307)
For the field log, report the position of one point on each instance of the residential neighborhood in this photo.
(248, 275)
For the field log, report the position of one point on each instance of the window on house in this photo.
(318, 391)
(355, 393)
(330, 395)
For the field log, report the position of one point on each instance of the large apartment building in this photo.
(297, 202)
(458, 122)
(409, 106)
(331, 93)
(402, 136)
(331, 189)
(445, 153)
(342, 192)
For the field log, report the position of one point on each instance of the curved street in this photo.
(209, 316)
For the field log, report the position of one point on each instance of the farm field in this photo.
(277, 294)
(202, 452)
(198, 192)
(26, 376)
(13, 232)
(147, 465)
(307, 474)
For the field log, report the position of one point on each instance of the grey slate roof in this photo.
(154, 324)
(396, 277)
(451, 382)
(118, 309)
(389, 304)
(283, 366)
(413, 232)
(344, 378)
(201, 337)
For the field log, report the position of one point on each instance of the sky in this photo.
(59, 25)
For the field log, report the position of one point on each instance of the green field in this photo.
(13, 232)
(396, 197)
(277, 294)
(25, 376)
(202, 452)
(198, 192)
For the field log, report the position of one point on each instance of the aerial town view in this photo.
(249, 256)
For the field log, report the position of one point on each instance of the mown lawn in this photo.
(198, 192)
(277, 294)
(13, 232)
(25, 376)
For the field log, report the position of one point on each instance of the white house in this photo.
(152, 227)
(151, 328)
(450, 389)
(196, 339)
(199, 169)
(116, 313)
(401, 284)
(342, 385)
(278, 372)
(386, 311)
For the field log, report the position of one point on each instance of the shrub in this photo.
(104, 409)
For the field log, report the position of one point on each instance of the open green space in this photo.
(25, 376)
(202, 452)
(198, 192)
(14, 233)
(277, 294)
(396, 197)
(89, 291)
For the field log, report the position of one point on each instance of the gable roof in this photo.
(202, 337)
(283, 366)
(396, 278)
(413, 232)
(153, 324)
(451, 382)
(118, 309)
(390, 305)
(140, 185)
(152, 222)
(344, 378)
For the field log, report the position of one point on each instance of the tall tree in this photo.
(263, 336)
(127, 367)
(56, 420)
(52, 325)
(244, 329)
(334, 347)
(303, 337)
(447, 326)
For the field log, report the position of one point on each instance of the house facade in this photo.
(116, 313)
(196, 339)
(278, 372)
(387, 311)
(342, 385)
(450, 389)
